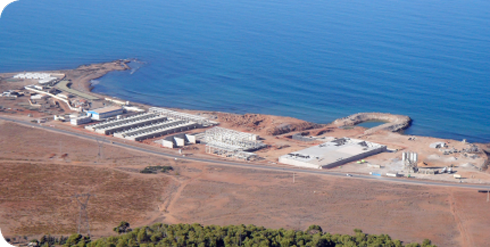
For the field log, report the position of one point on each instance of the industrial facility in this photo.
(204, 122)
(106, 112)
(158, 122)
(332, 154)
(122, 124)
(156, 130)
(231, 143)
(43, 78)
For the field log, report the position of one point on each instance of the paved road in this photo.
(252, 165)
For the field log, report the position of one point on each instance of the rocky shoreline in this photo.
(393, 123)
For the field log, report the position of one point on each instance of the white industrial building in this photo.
(158, 122)
(156, 130)
(122, 124)
(43, 78)
(106, 112)
(182, 116)
(331, 154)
(178, 140)
(39, 96)
(81, 120)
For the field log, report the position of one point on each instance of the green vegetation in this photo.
(241, 235)
(123, 227)
(50, 241)
(155, 169)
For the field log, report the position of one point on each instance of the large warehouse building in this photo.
(331, 154)
(118, 125)
(106, 112)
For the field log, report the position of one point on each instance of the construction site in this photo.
(230, 143)
(160, 122)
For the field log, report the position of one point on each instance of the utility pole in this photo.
(99, 143)
(485, 191)
(83, 223)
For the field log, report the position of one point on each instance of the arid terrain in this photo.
(38, 181)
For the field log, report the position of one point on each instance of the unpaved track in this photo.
(466, 239)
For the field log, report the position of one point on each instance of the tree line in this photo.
(196, 235)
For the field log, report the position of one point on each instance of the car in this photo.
(348, 175)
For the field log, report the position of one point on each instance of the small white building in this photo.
(59, 118)
(64, 96)
(39, 96)
(10, 93)
(178, 140)
(39, 87)
(438, 145)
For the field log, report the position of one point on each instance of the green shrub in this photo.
(156, 169)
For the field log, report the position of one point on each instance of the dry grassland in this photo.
(36, 198)
(37, 182)
(36, 189)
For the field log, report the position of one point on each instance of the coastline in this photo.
(275, 131)
(82, 76)
(393, 122)
(391, 133)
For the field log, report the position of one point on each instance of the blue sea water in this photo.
(316, 60)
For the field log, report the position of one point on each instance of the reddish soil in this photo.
(37, 185)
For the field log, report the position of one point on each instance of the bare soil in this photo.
(37, 184)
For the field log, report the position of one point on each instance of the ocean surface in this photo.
(316, 60)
